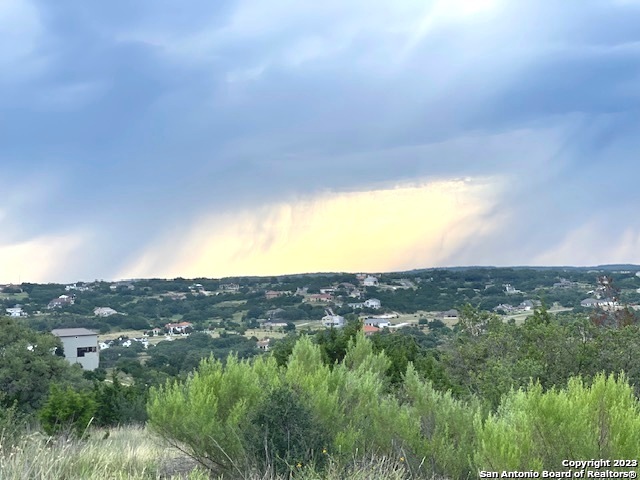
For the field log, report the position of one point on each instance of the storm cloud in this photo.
(126, 128)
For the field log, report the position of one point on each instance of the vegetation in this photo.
(349, 408)
(431, 400)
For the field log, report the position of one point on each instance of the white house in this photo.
(372, 303)
(370, 281)
(510, 289)
(16, 311)
(80, 346)
(75, 286)
(181, 327)
(594, 302)
(333, 321)
(104, 311)
(377, 322)
(264, 344)
(527, 305)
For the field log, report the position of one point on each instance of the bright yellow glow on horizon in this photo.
(381, 230)
(36, 260)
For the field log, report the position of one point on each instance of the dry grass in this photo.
(135, 453)
(123, 453)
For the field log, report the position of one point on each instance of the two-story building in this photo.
(80, 346)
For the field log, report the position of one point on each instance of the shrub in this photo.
(447, 437)
(283, 432)
(535, 430)
(205, 416)
(67, 411)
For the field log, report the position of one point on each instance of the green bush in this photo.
(447, 437)
(283, 432)
(535, 430)
(67, 411)
(206, 415)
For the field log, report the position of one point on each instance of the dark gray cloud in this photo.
(143, 116)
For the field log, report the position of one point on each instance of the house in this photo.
(336, 321)
(327, 290)
(370, 281)
(370, 330)
(229, 287)
(527, 305)
(510, 290)
(377, 322)
(196, 288)
(271, 294)
(80, 346)
(564, 283)
(372, 303)
(274, 324)
(356, 305)
(16, 311)
(590, 303)
(181, 327)
(122, 285)
(505, 307)
(75, 286)
(320, 297)
(104, 311)
(451, 314)
(61, 301)
(355, 294)
(264, 344)
(593, 302)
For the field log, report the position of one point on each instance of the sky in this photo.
(161, 138)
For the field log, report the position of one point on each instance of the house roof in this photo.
(589, 301)
(72, 332)
(179, 325)
(370, 329)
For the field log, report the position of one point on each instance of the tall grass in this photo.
(135, 453)
(123, 453)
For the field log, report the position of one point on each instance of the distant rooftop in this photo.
(72, 332)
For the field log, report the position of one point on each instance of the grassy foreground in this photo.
(123, 453)
(135, 453)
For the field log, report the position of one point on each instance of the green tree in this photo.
(67, 411)
(28, 367)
